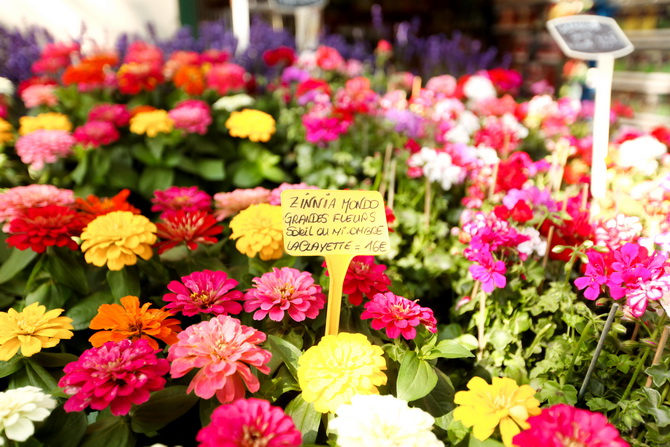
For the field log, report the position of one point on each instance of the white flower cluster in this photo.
(382, 421)
(6, 87)
(466, 125)
(641, 153)
(233, 102)
(437, 167)
(534, 244)
(19, 408)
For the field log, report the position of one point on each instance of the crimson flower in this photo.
(398, 315)
(364, 277)
(204, 292)
(191, 228)
(39, 228)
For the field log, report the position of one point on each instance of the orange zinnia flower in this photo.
(129, 320)
(93, 206)
(191, 79)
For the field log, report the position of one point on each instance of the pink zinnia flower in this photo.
(39, 95)
(96, 133)
(565, 426)
(323, 129)
(115, 375)
(398, 315)
(489, 272)
(44, 146)
(223, 349)
(225, 78)
(193, 116)
(204, 292)
(249, 423)
(229, 203)
(284, 290)
(364, 277)
(275, 194)
(15, 201)
(116, 114)
(183, 198)
(190, 228)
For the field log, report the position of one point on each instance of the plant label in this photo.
(588, 37)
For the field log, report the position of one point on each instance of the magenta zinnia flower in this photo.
(364, 277)
(15, 201)
(284, 290)
(177, 198)
(398, 315)
(116, 114)
(488, 271)
(229, 203)
(193, 116)
(44, 146)
(223, 349)
(566, 426)
(249, 423)
(204, 292)
(190, 228)
(275, 194)
(96, 133)
(115, 375)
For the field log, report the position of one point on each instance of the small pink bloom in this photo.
(44, 146)
(39, 95)
(176, 198)
(328, 58)
(15, 201)
(398, 315)
(284, 290)
(224, 350)
(595, 275)
(193, 116)
(204, 292)
(225, 78)
(489, 272)
(563, 426)
(250, 423)
(229, 203)
(275, 195)
(115, 375)
(116, 114)
(96, 133)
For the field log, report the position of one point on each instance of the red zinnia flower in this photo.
(39, 228)
(281, 55)
(364, 277)
(192, 228)
(134, 77)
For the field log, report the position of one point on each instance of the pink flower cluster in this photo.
(39, 95)
(204, 292)
(398, 315)
(96, 133)
(15, 201)
(192, 116)
(115, 375)
(116, 114)
(275, 194)
(629, 271)
(44, 146)
(230, 203)
(180, 198)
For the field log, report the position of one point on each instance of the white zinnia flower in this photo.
(382, 421)
(6, 87)
(233, 102)
(20, 407)
(478, 88)
(641, 153)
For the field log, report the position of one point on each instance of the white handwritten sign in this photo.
(588, 36)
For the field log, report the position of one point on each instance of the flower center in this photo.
(286, 291)
(201, 299)
(252, 437)
(570, 441)
(25, 326)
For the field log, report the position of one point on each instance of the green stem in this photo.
(640, 364)
(580, 342)
(538, 339)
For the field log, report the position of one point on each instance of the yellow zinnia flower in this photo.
(502, 403)
(5, 131)
(151, 123)
(252, 124)
(48, 121)
(117, 238)
(31, 330)
(338, 368)
(258, 229)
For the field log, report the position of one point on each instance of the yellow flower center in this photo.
(286, 291)
(252, 437)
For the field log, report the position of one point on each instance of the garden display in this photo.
(148, 298)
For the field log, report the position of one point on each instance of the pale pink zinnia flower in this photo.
(96, 133)
(176, 198)
(14, 201)
(398, 315)
(250, 423)
(229, 203)
(44, 146)
(116, 114)
(192, 115)
(204, 292)
(275, 195)
(115, 375)
(284, 290)
(223, 349)
(615, 232)
(39, 95)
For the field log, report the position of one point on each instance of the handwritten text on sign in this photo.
(325, 222)
(587, 36)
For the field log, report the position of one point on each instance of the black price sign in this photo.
(588, 36)
(292, 4)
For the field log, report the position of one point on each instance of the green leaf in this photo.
(206, 407)
(79, 173)
(83, 312)
(64, 267)
(474, 442)
(33, 374)
(11, 366)
(63, 429)
(659, 374)
(651, 404)
(154, 178)
(108, 432)
(123, 282)
(211, 169)
(50, 295)
(600, 404)
(416, 378)
(246, 175)
(54, 359)
(305, 418)
(449, 349)
(288, 353)
(17, 261)
(163, 407)
(440, 401)
(500, 338)
(555, 393)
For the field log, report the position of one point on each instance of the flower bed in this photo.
(148, 297)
